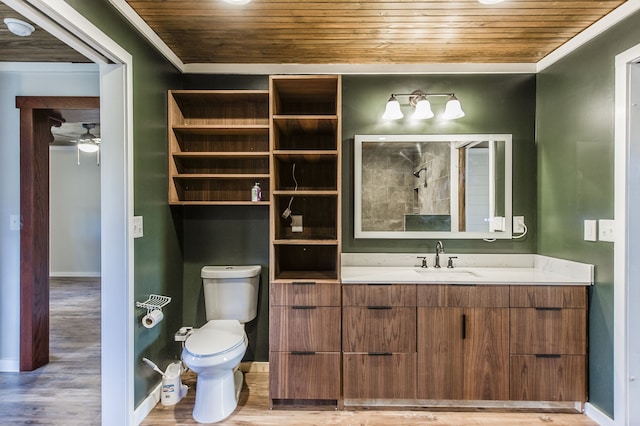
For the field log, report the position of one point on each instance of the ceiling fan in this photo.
(88, 142)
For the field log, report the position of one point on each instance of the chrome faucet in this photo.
(439, 249)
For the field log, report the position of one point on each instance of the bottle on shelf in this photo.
(256, 192)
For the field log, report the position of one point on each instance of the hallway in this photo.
(67, 390)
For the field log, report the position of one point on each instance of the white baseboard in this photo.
(9, 365)
(595, 414)
(75, 274)
(145, 407)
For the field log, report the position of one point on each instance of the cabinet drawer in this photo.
(304, 293)
(548, 297)
(548, 378)
(295, 328)
(379, 329)
(379, 376)
(304, 376)
(548, 331)
(463, 296)
(379, 295)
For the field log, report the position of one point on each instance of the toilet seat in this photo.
(215, 338)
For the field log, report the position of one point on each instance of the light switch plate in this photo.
(138, 227)
(606, 230)
(590, 230)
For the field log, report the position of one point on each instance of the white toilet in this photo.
(215, 350)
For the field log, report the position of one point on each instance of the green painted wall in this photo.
(158, 257)
(575, 126)
(227, 236)
(492, 103)
(239, 235)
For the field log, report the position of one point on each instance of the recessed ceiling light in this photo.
(237, 1)
(18, 27)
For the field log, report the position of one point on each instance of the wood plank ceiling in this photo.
(38, 47)
(367, 32)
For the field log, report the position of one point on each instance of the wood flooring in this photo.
(67, 390)
(253, 409)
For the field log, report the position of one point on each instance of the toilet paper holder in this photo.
(155, 301)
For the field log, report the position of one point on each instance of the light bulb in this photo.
(392, 111)
(423, 109)
(453, 109)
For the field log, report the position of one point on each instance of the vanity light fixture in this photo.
(420, 101)
(18, 27)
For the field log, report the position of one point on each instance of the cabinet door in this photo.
(548, 378)
(379, 376)
(486, 354)
(304, 328)
(379, 329)
(440, 353)
(304, 375)
(379, 295)
(304, 293)
(548, 331)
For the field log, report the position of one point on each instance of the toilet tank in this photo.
(231, 292)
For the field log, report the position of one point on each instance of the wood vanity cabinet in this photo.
(463, 342)
(379, 341)
(305, 339)
(548, 347)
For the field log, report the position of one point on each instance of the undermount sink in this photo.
(447, 271)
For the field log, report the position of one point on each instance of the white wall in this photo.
(24, 80)
(74, 210)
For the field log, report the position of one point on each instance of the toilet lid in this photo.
(209, 340)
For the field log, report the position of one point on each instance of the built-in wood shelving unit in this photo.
(218, 146)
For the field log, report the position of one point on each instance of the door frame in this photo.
(116, 194)
(626, 187)
(36, 119)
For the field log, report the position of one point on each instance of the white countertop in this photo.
(385, 268)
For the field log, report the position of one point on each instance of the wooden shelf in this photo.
(318, 242)
(219, 145)
(218, 129)
(305, 179)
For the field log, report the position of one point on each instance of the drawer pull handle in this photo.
(303, 283)
(548, 309)
(303, 353)
(378, 283)
(379, 353)
(379, 307)
(464, 326)
(548, 356)
(303, 307)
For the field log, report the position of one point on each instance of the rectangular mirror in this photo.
(433, 186)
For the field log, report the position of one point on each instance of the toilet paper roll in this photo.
(152, 318)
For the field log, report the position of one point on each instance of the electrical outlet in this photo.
(14, 222)
(137, 227)
(518, 224)
(606, 230)
(497, 224)
(296, 223)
